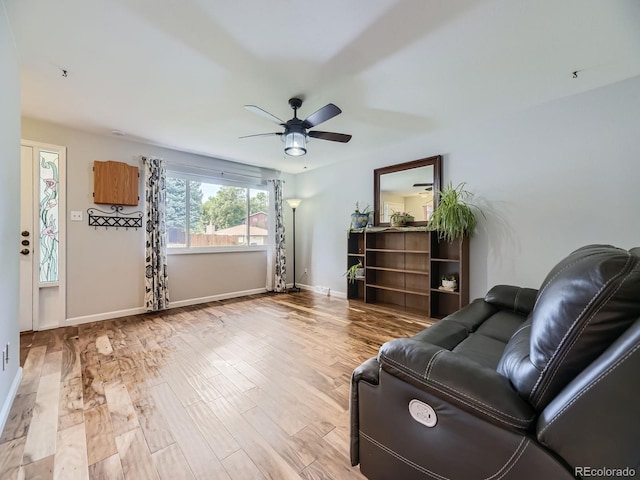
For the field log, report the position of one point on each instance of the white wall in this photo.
(9, 213)
(105, 267)
(550, 179)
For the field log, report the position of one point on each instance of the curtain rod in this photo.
(222, 173)
(210, 171)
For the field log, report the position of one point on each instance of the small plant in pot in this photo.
(400, 219)
(360, 219)
(454, 217)
(449, 282)
(355, 272)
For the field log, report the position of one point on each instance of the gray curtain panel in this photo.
(276, 262)
(156, 285)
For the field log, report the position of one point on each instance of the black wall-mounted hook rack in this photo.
(114, 219)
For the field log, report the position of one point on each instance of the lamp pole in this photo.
(294, 202)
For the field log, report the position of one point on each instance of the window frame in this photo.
(216, 178)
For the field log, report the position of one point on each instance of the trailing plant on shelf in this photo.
(454, 217)
(355, 271)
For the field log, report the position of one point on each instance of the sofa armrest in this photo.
(479, 390)
(369, 372)
(517, 299)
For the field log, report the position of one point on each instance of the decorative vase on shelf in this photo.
(360, 219)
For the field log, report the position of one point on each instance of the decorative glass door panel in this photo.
(49, 216)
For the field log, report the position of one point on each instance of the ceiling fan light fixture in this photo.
(296, 131)
(295, 144)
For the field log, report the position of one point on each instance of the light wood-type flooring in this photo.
(250, 388)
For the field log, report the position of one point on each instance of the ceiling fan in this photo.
(296, 130)
(428, 188)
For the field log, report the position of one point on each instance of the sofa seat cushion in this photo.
(501, 326)
(479, 332)
(486, 345)
(481, 349)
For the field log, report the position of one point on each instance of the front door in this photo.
(26, 236)
(42, 236)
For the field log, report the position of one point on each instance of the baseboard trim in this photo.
(100, 316)
(311, 288)
(215, 298)
(8, 402)
(175, 304)
(136, 311)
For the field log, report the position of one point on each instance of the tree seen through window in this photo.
(219, 215)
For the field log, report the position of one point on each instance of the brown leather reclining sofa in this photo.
(520, 385)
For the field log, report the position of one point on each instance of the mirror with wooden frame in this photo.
(410, 187)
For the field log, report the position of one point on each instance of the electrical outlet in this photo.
(322, 290)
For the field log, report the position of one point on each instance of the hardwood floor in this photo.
(250, 388)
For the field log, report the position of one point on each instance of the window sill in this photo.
(207, 250)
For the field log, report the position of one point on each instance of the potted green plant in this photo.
(360, 219)
(355, 272)
(454, 217)
(400, 219)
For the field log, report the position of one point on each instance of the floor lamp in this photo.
(293, 203)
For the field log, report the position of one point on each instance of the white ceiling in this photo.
(177, 73)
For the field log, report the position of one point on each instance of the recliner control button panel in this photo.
(423, 413)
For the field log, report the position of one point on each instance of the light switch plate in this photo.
(76, 216)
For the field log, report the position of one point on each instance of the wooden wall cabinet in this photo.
(403, 269)
(115, 183)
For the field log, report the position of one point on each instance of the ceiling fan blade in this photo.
(325, 113)
(264, 113)
(262, 135)
(334, 137)
(423, 184)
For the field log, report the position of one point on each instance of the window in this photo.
(219, 215)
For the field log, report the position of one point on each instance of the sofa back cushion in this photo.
(583, 305)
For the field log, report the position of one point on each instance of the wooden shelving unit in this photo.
(397, 269)
(403, 267)
(355, 254)
(449, 258)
